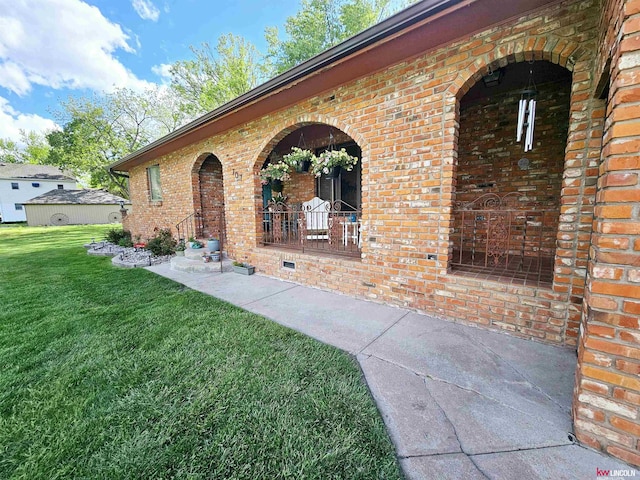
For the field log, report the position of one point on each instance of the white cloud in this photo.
(146, 9)
(163, 71)
(11, 122)
(61, 44)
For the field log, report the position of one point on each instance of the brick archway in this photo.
(568, 283)
(207, 182)
(303, 187)
(285, 128)
(554, 49)
(580, 173)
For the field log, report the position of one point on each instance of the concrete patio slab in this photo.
(450, 352)
(559, 463)
(237, 289)
(341, 321)
(453, 466)
(484, 425)
(417, 424)
(550, 368)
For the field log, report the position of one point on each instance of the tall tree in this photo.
(321, 24)
(99, 130)
(214, 77)
(32, 148)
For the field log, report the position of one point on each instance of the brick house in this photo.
(445, 212)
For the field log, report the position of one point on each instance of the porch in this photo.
(309, 211)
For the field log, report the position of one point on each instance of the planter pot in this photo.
(304, 166)
(213, 245)
(180, 253)
(334, 172)
(250, 270)
(215, 256)
(277, 186)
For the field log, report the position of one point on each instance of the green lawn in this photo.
(110, 373)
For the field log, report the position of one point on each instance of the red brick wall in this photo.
(607, 394)
(405, 119)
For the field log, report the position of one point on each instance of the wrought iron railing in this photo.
(191, 226)
(503, 231)
(321, 227)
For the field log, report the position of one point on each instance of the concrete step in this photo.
(195, 253)
(193, 265)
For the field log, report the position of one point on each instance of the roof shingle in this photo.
(77, 197)
(28, 170)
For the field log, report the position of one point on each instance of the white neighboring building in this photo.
(20, 182)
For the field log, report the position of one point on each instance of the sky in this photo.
(50, 49)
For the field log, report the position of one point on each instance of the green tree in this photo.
(32, 148)
(321, 24)
(9, 151)
(100, 130)
(214, 77)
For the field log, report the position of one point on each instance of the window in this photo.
(15, 186)
(60, 187)
(155, 190)
(18, 206)
(35, 184)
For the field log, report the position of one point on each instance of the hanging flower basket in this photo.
(334, 172)
(275, 171)
(329, 159)
(299, 158)
(276, 185)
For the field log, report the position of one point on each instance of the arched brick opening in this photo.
(507, 198)
(208, 196)
(342, 194)
(568, 54)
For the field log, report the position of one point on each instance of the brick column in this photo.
(606, 412)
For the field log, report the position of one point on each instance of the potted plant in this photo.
(180, 248)
(279, 198)
(196, 244)
(213, 244)
(330, 162)
(299, 158)
(243, 268)
(275, 174)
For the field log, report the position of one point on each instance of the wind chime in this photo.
(527, 113)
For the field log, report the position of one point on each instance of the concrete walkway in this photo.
(459, 402)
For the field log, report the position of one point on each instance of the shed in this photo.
(75, 207)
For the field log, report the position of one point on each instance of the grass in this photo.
(109, 373)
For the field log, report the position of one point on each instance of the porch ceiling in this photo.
(403, 36)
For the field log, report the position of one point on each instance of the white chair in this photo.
(316, 219)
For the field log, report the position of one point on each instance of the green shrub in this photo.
(125, 242)
(115, 235)
(163, 243)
